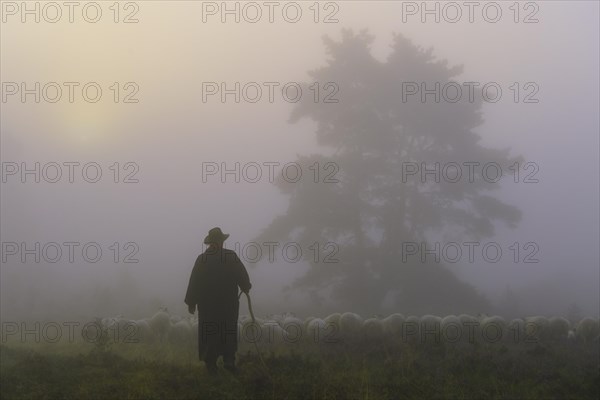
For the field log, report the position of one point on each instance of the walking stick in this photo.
(255, 344)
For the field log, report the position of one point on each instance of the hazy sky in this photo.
(170, 132)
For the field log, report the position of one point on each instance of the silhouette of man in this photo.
(213, 290)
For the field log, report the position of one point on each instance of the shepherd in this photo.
(213, 291)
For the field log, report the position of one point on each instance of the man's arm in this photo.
(243, 278)
(191, 295)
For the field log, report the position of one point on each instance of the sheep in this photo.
(471, 328)
(244, 319)
(142, 332)
(332, 331)
(307, 321)
(292, 320)
(515, 331)
(536, 329)
(350, 325)
(451, 329)
(410, 329)
(467, 318)
(429, 325)
(146, 330)
(558, 328)
(112, 328)
(587, 330)
(333, 319)
(180, 332)
(571, 338)
(248, 321)
(294, 328)
(278, 318)
(315, 330)
(493, 329)
(160, 323)
(107, 321)
(121, 330)
(392, 326)
(93, 331)
(280, 335)
(266, 328)
(373, 329)
(195, 334)
(251, 331)
(279, 328)
(272, 333)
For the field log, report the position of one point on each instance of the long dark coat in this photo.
(213, 288)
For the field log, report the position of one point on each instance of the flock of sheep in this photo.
(287, 329)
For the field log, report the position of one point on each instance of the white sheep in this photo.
(272, 334)
(292, 320)
(373, 329)
(107, 321)
(410, 329)
(429, 329)
(536, 328)
(180, 332)
(294, 328)
(468, 318)
(332, 330)
(315, 331)
(587, 330)
(111, 324)
(195, 333)
(471, 328)
(307, 321)
(493, 329)
(276, 317)
(571, 338)
(251, 331)
(451, 329)
(333, 319)
(267, 325)
(351, 325)
(142, 331)
(515, 331)
(92, 331)
(121, 330)
(558, 328)
(392, 326)
(243, 319)
(160, 323)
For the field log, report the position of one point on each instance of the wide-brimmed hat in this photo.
(215, 235)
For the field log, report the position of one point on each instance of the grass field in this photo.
(557, 371)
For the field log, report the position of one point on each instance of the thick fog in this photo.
(162, 134)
